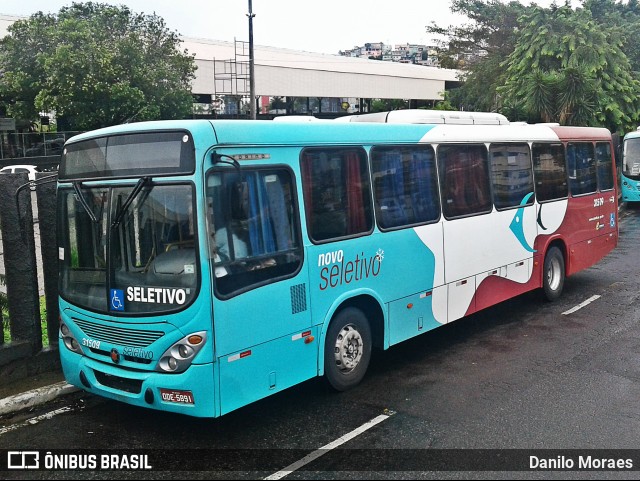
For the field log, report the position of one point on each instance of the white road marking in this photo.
(328, 447)
(35, 420)
(581, 305)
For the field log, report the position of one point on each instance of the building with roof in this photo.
(300, 82)
(307, 76)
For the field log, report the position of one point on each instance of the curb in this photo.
(35, 397)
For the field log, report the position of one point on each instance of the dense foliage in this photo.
(568, 69)
(558, 64)
(95, 65)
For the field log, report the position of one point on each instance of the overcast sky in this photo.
(326, 26)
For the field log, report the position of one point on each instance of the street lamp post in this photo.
(252, 80)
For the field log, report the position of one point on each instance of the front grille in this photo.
(132, 386)
(118, 335)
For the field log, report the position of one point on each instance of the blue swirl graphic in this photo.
(517, 224)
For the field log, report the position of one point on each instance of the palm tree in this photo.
(566, 68)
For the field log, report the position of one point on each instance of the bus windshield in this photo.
(631, 158)
(150, 265)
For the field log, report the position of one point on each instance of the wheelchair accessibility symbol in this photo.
(116, 300)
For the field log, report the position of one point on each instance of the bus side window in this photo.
(582, 168)
(605, 166)
(405, 185)
(253, 230)
(550, 171)
(337, 192)
(464, 179)
(511, 174)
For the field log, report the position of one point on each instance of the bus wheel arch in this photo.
(355, 327)
(554, 271)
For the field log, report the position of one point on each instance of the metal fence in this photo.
(27, 229)
(25, 145)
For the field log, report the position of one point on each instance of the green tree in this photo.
(95, 65)
(384, 105)
(478, 49)
(566, 68)
(624, 17)
(277, 103)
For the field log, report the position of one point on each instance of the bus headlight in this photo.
(69, 340)
(179, 356)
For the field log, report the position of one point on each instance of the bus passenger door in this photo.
(262, 321)
(265, 342)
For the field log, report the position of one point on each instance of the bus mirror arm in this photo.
(32, 183)
(218, 159)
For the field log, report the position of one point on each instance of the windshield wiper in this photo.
(83, 202)
(134, 193)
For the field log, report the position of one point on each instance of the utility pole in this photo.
(252, 79)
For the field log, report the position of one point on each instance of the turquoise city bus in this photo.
(630, 178)
(206, 264)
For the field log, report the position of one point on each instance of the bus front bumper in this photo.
(191, 392)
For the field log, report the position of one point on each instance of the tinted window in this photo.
(464, 179)
(550, 171)
(336, 193)
(511, 174)
(631, 157)
(581, 165)
(152, 153)
(253, 228)
(605, 165)
(405, 185)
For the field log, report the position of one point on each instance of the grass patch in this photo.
(43, 322)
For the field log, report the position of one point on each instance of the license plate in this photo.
(175, 396)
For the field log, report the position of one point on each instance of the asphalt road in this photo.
(524, 375)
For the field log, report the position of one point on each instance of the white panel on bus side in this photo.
(439, 304)
(483, 243)
(520, 271)
(498, 271)
(432, 237)
(460, 297)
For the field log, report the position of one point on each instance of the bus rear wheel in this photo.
(553, 275)
(347, 349)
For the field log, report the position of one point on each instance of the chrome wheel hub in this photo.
(348, 348)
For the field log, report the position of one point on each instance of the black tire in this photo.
(347, 349)
(553, 275)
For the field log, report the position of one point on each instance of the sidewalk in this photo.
(34, 391)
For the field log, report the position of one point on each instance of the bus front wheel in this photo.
(347, 349)
(554, 274)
